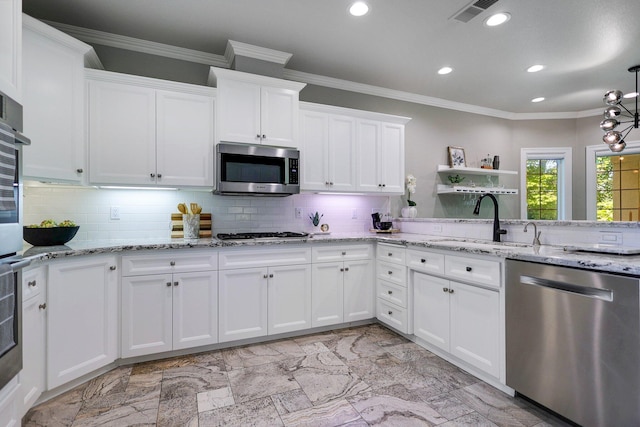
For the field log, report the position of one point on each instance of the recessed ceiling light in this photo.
(540, 99)
(359, 8)
(535, 68)
(445, 70)
(497, 19)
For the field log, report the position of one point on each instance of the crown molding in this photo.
(233, 48)
(112, 77)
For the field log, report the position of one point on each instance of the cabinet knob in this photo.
(423, 260)
(330, 183)
(159, 175)
(270, 276)
(168, 284)
(469, 269)
(342, 269)
(445, 289)
(172, 263)
(31, 283)
(384, 185)
(346, 269)
(113, 268)
(390, 272)
(390, 313)
(264, 136)
(450, 291)
(326, 183)
(79, 170)
(344, 253)
(265, 276)
(176, 283)
(42, 306)
(379, 185)
(390, 253)
(258, 136)
(152, 175)
(390, 292)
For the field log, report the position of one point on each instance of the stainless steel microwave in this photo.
(244, 169)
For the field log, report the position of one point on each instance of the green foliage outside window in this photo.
(542, 189)
(604, 189)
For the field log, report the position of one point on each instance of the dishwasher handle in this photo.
(585, 291)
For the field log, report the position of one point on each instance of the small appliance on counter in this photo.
(380, 226)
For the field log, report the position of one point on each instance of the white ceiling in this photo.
(586, 45)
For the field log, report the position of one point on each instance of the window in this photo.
(613, 183)
(545, 183)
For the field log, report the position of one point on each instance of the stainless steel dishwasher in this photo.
(573, 342)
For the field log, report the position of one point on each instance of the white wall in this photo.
(147, 213)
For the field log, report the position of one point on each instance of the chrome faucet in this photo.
(497, 231)
(536, 234)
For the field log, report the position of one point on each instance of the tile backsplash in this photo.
(146, 213)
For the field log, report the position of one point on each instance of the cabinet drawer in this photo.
(265, 257)
(176, 262)
(391, 253)
(393, 273)
(428, 262)
(32, 282)
(392, 315)
(481, 271)
(392, 293)
(341, 253)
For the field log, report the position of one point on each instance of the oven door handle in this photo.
(20, 264)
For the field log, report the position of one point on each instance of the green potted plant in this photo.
(410, 211)
(455, 179)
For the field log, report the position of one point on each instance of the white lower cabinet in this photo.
(170, 311)
(342, 290)
(272, 297)
(34, 304)
(82, 317)
(392, 306)
(459, 318)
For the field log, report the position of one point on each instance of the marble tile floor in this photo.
(361, 376)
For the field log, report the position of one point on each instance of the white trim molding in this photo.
(565, 173)
(593, 151)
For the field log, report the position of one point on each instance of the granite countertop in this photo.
(555, 255)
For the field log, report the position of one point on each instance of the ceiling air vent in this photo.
(472, 10)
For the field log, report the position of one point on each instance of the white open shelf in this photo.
(461, 189)
(475, 171)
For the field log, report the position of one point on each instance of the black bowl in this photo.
(385, 225)
(51, 236)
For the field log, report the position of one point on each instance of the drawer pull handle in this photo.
(175, 283)
(42, 306)
(390, 313)
(450, 291)
(390, 272)
(172, 263)
(469, 269)
(445, 289)
(168, 284)
(390, 292)
(113, 268)
(31, 283)
(79, 170)
(344, 253)
(423, 260)
(390, 253)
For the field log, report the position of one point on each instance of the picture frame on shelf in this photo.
(456, 157)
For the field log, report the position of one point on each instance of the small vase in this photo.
(409, 212)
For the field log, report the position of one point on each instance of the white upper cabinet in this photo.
(53, 95)
(255, 109)
(149, 132)
(11, 48)
(344, 150)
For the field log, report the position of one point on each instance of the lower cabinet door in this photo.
(32, 380)
(358, 291)
(82, 317)
(146, 314)
(289, 298)
(195, 309)
(328, 294)
(475, 326)
(242, 303)
(431, 309)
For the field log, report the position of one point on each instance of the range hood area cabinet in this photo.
(53, 100)
(346, 150)
(256, 109)
(149, 132)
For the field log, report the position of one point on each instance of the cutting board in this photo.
(176, 225)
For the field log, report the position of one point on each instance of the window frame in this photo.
(591, 153)
(565, 173)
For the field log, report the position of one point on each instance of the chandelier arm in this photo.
(627, 110)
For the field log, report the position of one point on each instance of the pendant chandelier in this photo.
(614, 112)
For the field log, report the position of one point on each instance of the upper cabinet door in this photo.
(368, 157)
(122, 134)
(11, 48)
(392, 157)
(185, 139)
(314, 140)
(279, 117)
(54, 97)
(239, 112)
(342, 153)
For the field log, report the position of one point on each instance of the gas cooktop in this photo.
(262, 235)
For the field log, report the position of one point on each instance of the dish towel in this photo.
(7, 308)
(7, 168)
